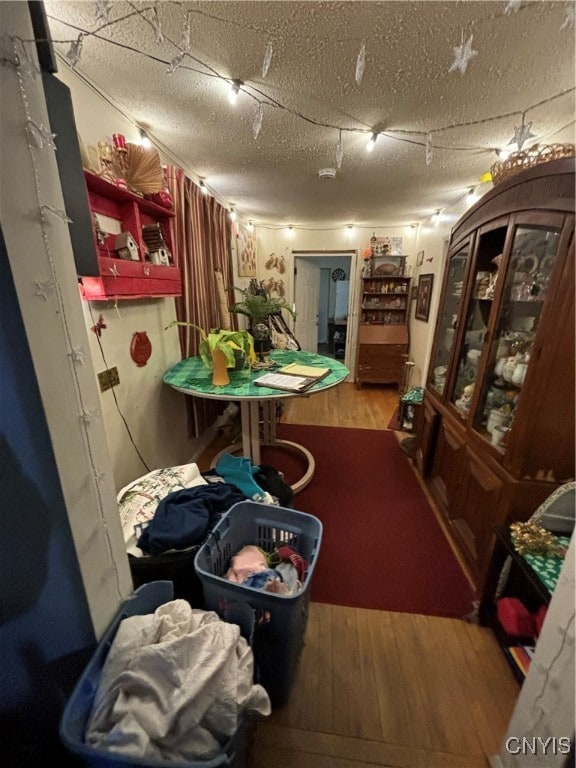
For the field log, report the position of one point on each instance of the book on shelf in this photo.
(308, 371)
(521, 656)
(288, 382)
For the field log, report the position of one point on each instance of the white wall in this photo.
(331, 241)
(42, 265)
(156, 414)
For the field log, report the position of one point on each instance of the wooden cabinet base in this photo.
(382, 353)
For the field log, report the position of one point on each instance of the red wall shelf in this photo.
(120, 278)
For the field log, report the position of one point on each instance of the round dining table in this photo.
(258, 404)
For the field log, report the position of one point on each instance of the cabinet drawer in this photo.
(373, 354)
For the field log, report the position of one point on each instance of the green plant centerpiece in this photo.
(217, 342)
(258, 308)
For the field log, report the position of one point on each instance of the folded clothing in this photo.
(183, 518)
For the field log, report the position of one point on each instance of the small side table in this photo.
(410, 411)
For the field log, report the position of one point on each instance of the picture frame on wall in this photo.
(419, 258)
(246, 252)
(423, 297)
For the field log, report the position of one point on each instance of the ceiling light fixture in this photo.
(371, 142)
(144, 139)
(234, 91)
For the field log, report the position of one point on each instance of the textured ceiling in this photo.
(525, 56)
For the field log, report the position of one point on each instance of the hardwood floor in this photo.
(344, 406)
(378, 688)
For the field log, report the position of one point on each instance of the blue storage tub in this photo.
(280, 619)
(78, 708)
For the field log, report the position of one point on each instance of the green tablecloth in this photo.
(548, 568)
(192, 374)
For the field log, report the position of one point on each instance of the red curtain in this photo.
(202, 247)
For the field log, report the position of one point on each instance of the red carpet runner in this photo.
(382, 546)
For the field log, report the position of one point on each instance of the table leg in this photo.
(250, 414)
(254, 429)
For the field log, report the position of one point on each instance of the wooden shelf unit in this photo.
(508, 354)
(522, 583)
(119, 278)
(383, 337)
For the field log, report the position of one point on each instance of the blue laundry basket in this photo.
(79, 706)
(280, 619)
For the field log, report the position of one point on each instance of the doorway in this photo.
(323, 294)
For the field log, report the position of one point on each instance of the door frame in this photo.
(353, 297)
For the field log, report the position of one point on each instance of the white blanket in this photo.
(138, 501)
(174, 686)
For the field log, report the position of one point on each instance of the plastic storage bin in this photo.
(77, 710)
(280, 619)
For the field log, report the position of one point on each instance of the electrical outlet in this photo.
(108, 379)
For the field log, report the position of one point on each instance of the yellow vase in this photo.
(219, 371)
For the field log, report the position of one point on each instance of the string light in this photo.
(232, 214)
(372, 142)
(420, 138)
(435, 216)
(49, 290)
(350, 230)
(471, 191)
(203, 187)
(234, 91)
(250, 226)
(416, 137)
(290, 231)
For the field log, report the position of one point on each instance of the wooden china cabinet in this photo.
(497, 433)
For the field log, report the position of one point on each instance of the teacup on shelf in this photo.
(498, 434)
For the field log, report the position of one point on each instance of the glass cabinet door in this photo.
(532, 258)
(488, 256)
(446, 327)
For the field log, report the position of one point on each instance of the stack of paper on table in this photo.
(309, 371)
(287, 382)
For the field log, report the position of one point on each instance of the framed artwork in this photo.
(423, 297)
(387, 266)
(419, 258)
(246, 252)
